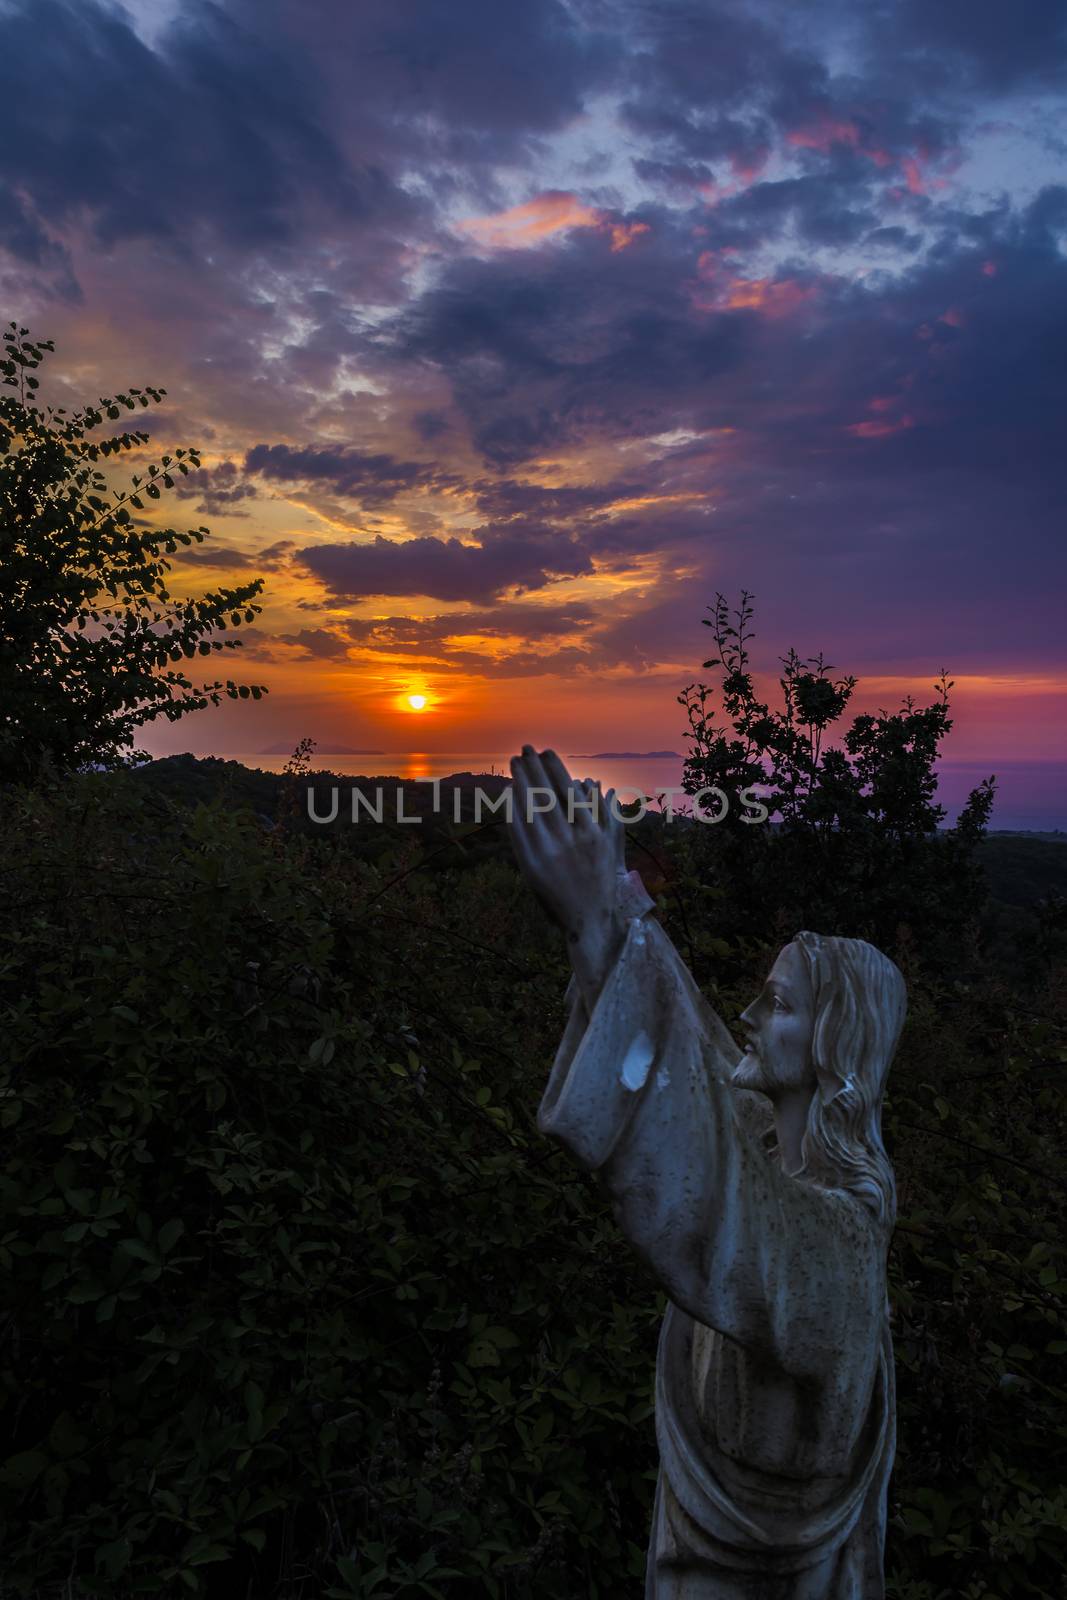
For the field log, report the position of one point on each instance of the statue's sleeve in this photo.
(639, 1094)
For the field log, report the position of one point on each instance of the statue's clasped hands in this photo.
(569, 843)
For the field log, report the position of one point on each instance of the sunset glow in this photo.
(510, 345)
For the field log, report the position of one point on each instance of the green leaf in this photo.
(169, 1234)
(21, 1471)
(139, 1250)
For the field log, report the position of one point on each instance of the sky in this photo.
(513, 334)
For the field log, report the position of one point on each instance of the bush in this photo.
(300, 1301)
(854, 848)
(298, 1291)
(91, 639)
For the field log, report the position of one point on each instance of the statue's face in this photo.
(778, 1028)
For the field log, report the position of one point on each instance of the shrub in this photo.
(90, 636)
(299, 1300)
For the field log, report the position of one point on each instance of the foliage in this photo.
(90, 634)
(289, 1299)
(300, 1302)
(855, 848)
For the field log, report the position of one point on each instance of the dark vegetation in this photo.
(297, 1300)
(91, 639)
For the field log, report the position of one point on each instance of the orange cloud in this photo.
(624, 233)
(521, 227)
(775, 297)
(641, 502)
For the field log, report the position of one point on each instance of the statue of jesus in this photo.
(756, 1188)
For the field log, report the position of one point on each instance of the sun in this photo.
(417, 702)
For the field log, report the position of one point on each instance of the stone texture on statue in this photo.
(775, 1408)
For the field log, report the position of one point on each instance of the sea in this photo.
(630, 776)
(1031, 795)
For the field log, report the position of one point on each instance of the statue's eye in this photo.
(778, 1006)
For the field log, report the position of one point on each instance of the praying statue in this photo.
(756, 1188)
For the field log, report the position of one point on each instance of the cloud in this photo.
(555, 211)
(209, 555)
(319, 644)
(37, 257)
(542, 348)
(444, 569)
(372, 479)
(976, 44)
(217, 490)
(736, 303)
(542, 621)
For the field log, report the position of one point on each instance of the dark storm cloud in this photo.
(983, 44)
(373, 479)
(481, 78)
(219, 126)
(730, 83)
(821, 210)
(713, 83)
(541, 351)
(443, 568)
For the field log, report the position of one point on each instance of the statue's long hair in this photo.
(860, 1002)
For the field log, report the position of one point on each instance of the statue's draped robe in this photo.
(774, 1378)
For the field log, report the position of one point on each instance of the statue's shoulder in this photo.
(756, 1116)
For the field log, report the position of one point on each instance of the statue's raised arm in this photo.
(769, 1234)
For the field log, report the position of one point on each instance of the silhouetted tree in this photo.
(90, 635)
(856, 848)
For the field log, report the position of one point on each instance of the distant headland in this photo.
(631, 755)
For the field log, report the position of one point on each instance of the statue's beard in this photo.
(771, 1078)
(749, 1074)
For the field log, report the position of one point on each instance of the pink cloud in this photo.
(525, 225)
(823, 133)
(913, 176)
(775, 297)
(557, 210)
(746, 168)
(623, 234)
(873, 429)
